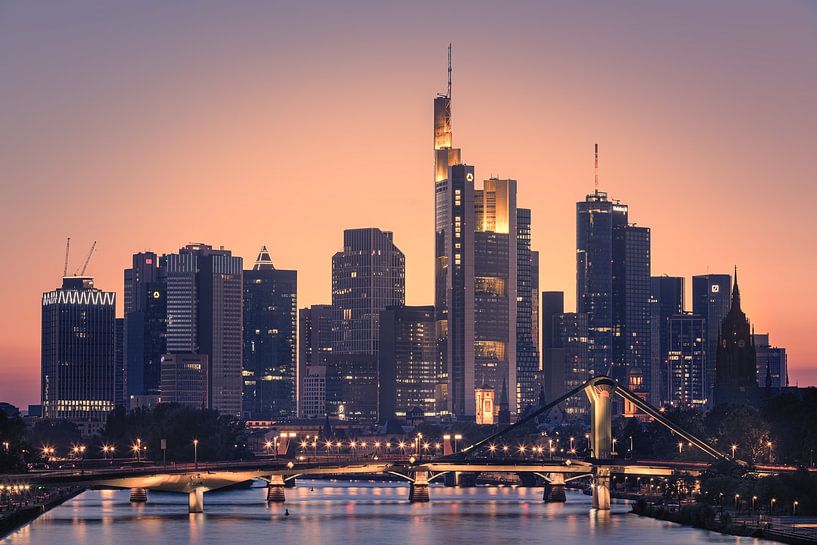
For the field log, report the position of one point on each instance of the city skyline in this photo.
(553, 173)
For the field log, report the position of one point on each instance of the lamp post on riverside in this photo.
(196, 453)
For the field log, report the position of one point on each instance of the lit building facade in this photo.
(78, 353)
(205, 316)
(270, 340)
(484, 399)
(495, 285)
(407, 362)
(686, 360)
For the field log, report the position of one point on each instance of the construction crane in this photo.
(67, 248)
(87, 259)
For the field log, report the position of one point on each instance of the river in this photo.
(327, 512)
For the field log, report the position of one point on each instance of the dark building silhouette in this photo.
(736, 361)
(772, 363)
(613, 287)
(184, 379)
(119, 363)
(270, 340)
(407, 362)
(710, 300)
(666, 301)
(78, 353)
(145, 326)
(368, 275)
(314, 348)
(351, 387)
(527, 281)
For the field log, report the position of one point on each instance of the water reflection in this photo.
(336, 512)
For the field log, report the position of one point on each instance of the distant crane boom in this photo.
(67, 249)
(87, 259)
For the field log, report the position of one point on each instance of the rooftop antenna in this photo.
(449, 70)
(597, 169)
(67, 249)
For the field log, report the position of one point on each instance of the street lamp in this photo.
(771, 506)
(754, 499)
(196, 453)
(680, 448)
(737, 498)
(734, 448)
(769, 444)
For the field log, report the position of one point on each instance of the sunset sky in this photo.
(146, 125)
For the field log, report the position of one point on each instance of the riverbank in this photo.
(22, 511)
(700, 515)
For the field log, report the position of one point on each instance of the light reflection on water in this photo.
(323, 512)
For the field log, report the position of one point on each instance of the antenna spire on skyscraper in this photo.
(597, 169)
(449, 70)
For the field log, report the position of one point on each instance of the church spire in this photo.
(736, 291)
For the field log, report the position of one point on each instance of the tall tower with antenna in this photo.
(453, 265)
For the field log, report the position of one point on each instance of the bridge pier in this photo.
(275, 489)
(195, 500)
(138, 495)
(418, 489)
(601, 489)
(555, 488)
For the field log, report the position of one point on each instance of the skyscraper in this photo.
(772, 364)
(368, 275)
(407, 361)
(710, 300)
(78, 353)
(600, 248)
(145, 325)
(314, 349)
(184, 379)
(527, 355)
(495, 286)
(686, 357)
(553, 304)
(666, 300)
(570, 361)
(204, 316)
(270, 340)
(736, 360)
(454, 263)
(613, 287)
(635, 330)
(454, 294)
